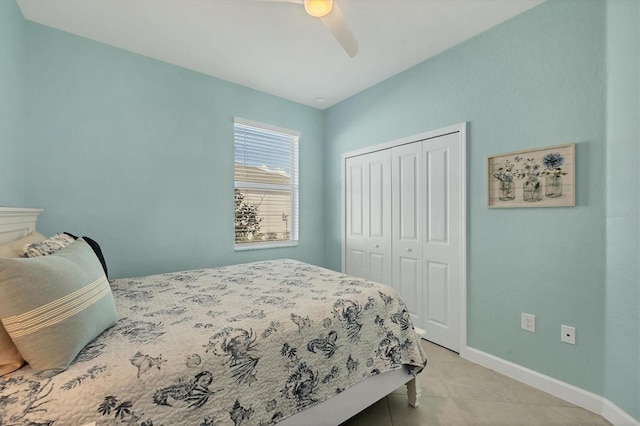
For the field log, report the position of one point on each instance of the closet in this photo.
(404, 225)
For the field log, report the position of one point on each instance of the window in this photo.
(266, 185)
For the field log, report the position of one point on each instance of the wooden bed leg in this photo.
(413, 392)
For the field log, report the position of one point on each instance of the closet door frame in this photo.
(461, 129)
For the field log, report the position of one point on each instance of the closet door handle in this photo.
(377, 245)
(409, 250)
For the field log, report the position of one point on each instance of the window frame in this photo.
(294, 187)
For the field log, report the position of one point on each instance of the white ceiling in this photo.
(275, 47)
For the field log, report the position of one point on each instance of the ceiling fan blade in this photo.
(336, 23)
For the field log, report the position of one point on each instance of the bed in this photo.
(255, 344)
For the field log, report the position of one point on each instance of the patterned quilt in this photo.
(243, 345)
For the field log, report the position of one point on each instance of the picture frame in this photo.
(543, 177)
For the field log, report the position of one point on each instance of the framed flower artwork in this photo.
(542, 177)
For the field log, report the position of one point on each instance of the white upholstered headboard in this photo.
(16, 223)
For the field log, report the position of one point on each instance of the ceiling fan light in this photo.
(318, 8)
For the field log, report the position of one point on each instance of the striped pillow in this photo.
(52, 306)
(10, 358)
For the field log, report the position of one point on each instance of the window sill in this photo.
(260, 246)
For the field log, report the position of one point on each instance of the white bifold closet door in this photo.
(404, 228)
(368, 216)
(426, 234)
(442, 240)
(407, 201)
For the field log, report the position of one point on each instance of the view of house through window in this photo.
(266, 185)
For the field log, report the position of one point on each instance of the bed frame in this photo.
(16, 223)
(355, 399)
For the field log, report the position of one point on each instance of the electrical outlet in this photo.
(528, 322)
(568, 334)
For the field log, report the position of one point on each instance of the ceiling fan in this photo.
(331, 16)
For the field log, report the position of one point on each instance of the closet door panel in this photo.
(377, 267)
(441, 248)
(407, 226)
(356, 229)
(379, 216)
(408, 276)
(356, 262)
(355, 200)
(436, 209)
(437, 292)
(377, 199)
(408, 197)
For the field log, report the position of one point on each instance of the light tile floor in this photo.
(458, 392)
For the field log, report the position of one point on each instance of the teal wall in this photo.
(138, 154)
(533, 81)
(12, 86)
(622, 343)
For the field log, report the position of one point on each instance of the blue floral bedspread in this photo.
(243, 345)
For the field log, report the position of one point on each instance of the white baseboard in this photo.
(616, 415)
(555, 387)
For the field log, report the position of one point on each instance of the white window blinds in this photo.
(266, 185)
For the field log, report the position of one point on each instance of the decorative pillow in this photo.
(96, 249)
(10, 358)
(16, 248)
(52, 306)
(49, 246)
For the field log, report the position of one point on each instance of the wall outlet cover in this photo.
(568, 334)
(528, 322)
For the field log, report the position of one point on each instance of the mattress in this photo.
(247, 344)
